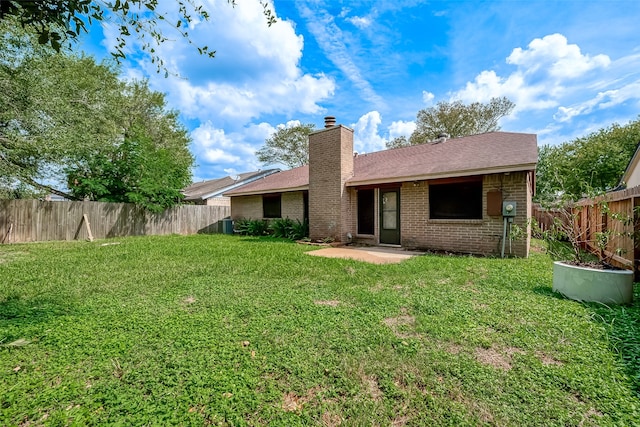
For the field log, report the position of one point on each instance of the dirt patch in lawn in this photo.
(371, 384)
(331, 420)
(11, 256)
(548, 360)
(294, 403)
(402, 326)
(330, 303)
(497, 358)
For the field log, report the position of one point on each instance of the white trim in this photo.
(239, 184)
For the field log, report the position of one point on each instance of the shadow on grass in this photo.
(21, 311)
(547, 291)
(264, 239)
(623, 325)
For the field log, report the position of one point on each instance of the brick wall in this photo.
(249, 207)
(219, 201)
(330, 165)
(481, 236)
(293, 205)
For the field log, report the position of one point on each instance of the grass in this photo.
(228, 330)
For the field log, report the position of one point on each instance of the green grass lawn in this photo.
(228, 330)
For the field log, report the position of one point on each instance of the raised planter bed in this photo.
(593, 285)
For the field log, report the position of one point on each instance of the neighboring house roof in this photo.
(493, 152)
(631, 176)
(290, 180)
(216, 187)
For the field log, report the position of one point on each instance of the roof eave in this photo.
(269, 191)
(425, 177)
(221, 192)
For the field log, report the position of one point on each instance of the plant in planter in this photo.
(584, 239)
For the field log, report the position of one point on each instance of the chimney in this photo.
(329, 122)
(330, 166)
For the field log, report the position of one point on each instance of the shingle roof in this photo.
(202, 189)
(470, 155)
(289, 180)
(491, 152)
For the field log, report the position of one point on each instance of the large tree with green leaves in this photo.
(54, 108)
(148, 167)
(288, 146)
(590, 163)
(456, 119)
(58, 21)
(61, 114)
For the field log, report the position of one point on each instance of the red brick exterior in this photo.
(330, 166)
(478, 236)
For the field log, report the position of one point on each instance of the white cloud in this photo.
(360, 22)
(255, 70)
(427, 97)
(366, 138)
(401, 128)
(602, 100)
(559, 59)
(525, 95)
(549, 72)
(216, 149)
(331, 40)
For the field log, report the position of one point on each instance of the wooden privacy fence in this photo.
(38, 221)
(593, 219)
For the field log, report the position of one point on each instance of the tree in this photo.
(63, 115)
(151, 164)
(55, 108)
(594, 162)
(57, 21)
(288, 146)
(399, 141)
(456, 119)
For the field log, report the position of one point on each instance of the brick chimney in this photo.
(330, 166)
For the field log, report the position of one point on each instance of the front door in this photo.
(390, 216)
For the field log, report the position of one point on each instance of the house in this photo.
(446, 195)
(631, 176)
(211, 192)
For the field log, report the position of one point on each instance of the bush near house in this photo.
(278, 227)
(196, 330)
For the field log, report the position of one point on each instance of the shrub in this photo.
(299, 230)
(285, 228)
(281, 227)
(252, 227)
(288, 229)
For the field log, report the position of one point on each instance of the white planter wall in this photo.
(593, 285)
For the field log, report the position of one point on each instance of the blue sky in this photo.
(571, 67)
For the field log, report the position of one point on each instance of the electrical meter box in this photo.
(508, 208)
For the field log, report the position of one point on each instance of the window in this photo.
(460, 200)
(271, 206)
(366, 211)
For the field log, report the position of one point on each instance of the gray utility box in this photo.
(508, 208)
(225, 226)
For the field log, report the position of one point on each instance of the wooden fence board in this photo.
(592, 220)
(37, 221)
